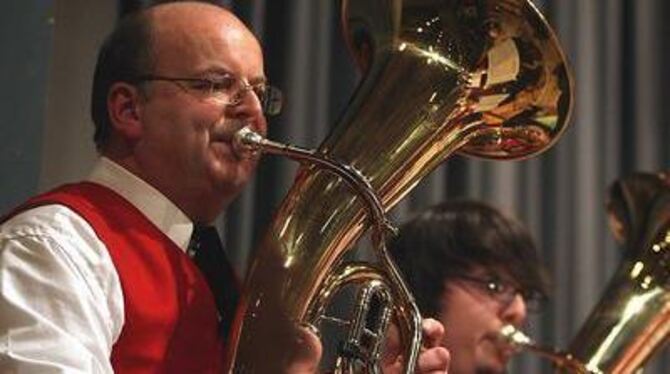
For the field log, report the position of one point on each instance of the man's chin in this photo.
(493, 367)
(490, 370)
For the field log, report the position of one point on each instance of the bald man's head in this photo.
(183, 13)
(139, 40)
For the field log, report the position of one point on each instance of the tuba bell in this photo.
(632, 319)
(483, 78)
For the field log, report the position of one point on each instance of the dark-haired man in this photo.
(474, 270)
(98, 276)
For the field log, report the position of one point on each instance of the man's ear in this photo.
(124, 105)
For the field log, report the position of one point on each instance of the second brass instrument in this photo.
(485, 78)
(632, 319)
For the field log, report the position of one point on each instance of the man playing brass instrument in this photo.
(474, 270)
(99, 276)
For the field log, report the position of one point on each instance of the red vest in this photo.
(170, 315)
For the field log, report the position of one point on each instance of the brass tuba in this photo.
(485, 78)
(632, 319)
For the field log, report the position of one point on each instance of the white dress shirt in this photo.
(61, 302)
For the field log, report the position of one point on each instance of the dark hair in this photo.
(455, 236)
(125, 54)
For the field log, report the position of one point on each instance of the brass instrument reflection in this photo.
(484, 78)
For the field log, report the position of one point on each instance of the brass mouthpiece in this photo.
(247, 143)
(519, 341)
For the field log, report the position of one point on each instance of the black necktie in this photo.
(208, 254)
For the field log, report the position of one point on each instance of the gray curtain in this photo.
(616, 50)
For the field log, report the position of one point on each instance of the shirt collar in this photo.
(153, 204)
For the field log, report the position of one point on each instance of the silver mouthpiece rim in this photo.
(514, 337)
(246, 143)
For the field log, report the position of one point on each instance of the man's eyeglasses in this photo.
(504, 292)
(228, 89)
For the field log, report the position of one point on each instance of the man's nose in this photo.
(246, 104)
(516, 312)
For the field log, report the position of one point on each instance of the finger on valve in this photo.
(434, 358)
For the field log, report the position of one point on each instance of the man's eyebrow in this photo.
(257, 80)
(219, 71)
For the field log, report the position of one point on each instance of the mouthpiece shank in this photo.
(247, 143)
